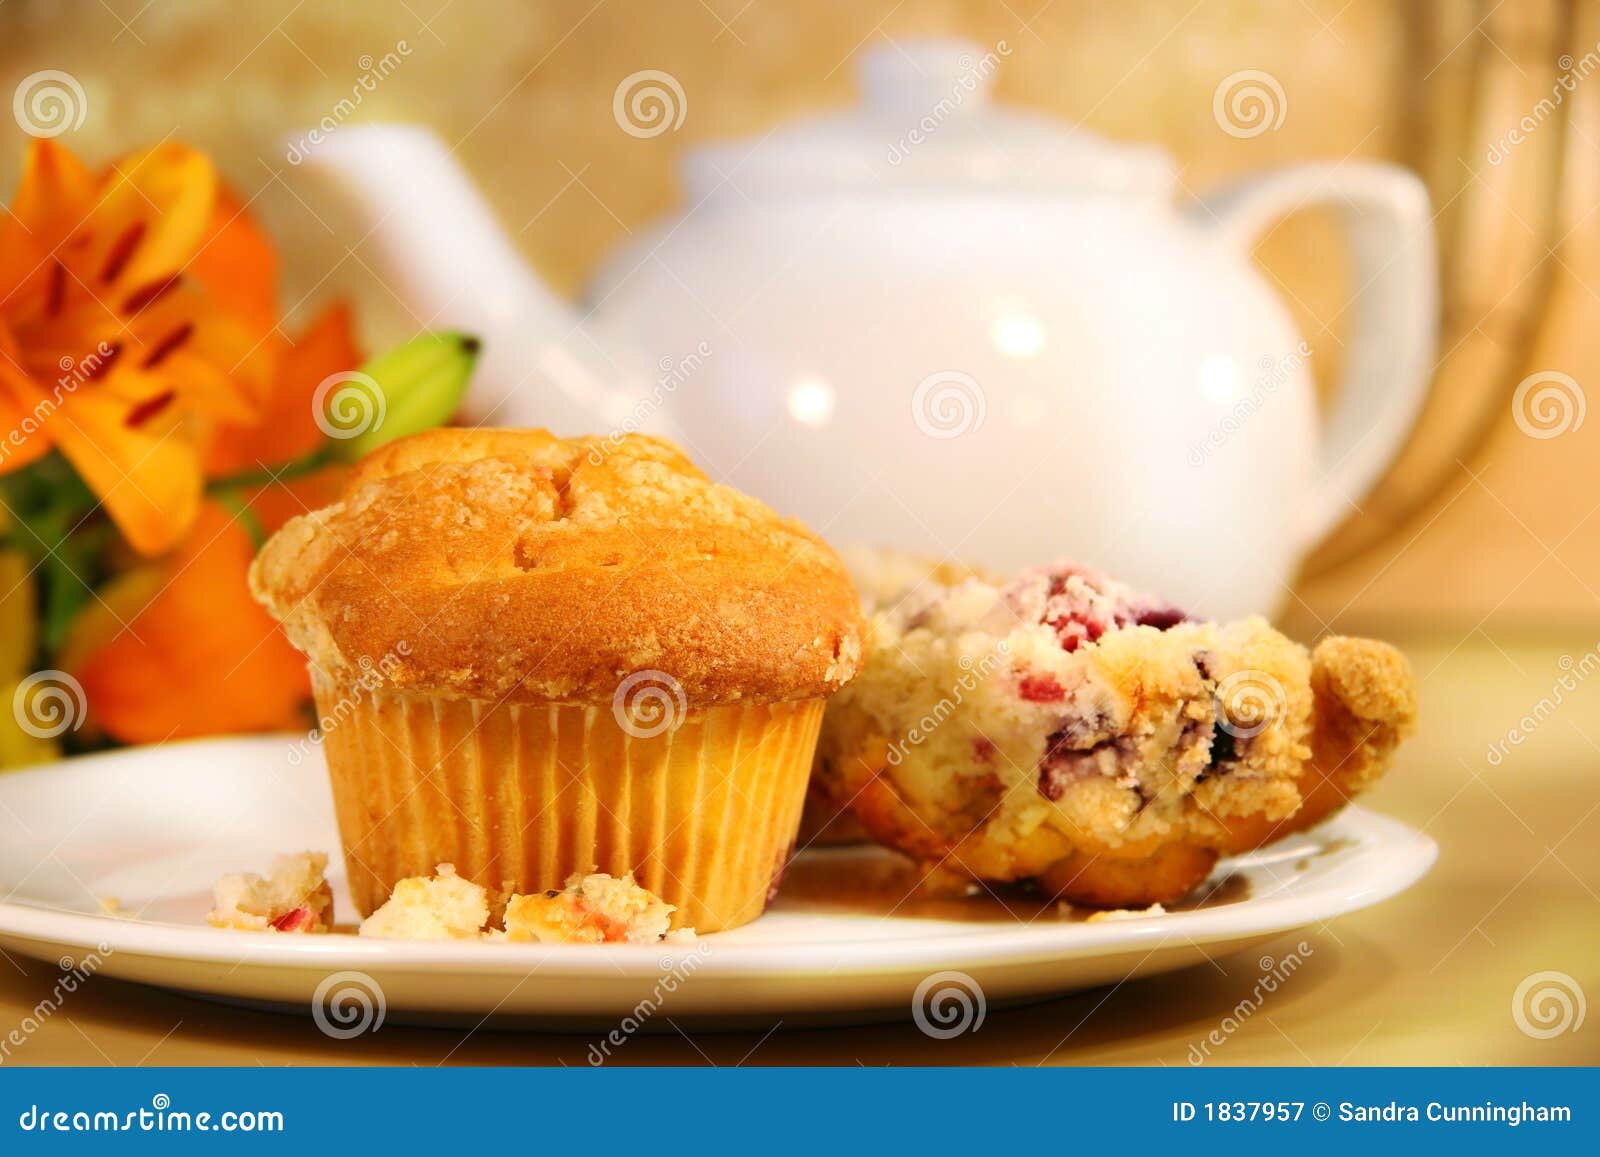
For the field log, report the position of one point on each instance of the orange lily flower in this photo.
(120, 344)
(198, 656)
(159, 263)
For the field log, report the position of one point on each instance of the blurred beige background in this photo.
(1478, 520)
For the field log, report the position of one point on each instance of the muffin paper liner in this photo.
(518, 796)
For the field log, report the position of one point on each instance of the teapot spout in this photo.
(447, 259)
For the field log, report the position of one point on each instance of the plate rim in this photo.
(1408, 855)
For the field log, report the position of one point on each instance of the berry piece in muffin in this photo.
(438, 907)
(592, 909)
(293, 897)
(1064, 727)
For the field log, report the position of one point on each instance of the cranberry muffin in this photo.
(1066, 728)
(883, 578)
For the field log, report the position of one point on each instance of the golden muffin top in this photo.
(512, 564)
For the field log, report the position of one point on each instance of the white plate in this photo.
(151, 829)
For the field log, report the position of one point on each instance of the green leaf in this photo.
(53, 519)
(412, 388)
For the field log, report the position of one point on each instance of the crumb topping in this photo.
(565, 565)
(1080, 603)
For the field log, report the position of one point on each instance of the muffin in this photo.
(1065, 728)
(535, 657)
(883, 578)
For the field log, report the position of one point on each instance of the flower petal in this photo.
(147, 477)
(56, 190)
(22, 424)
(197, 384)
(287, 428)
(55, 194)
(276, 504)
(202, 657)
(152, 217)
(238, 265)
(22, 438)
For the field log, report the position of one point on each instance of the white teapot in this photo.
(941, 325)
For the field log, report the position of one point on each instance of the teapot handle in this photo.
(1384, 211)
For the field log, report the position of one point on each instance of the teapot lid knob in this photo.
(922, 73)
(927, 122)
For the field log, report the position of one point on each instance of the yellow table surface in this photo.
(1426, 978)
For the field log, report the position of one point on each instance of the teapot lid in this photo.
(927, 122)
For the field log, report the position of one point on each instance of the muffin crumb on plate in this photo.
(439, 907)
(595, 908)
(1108, 915)
(293, 897)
